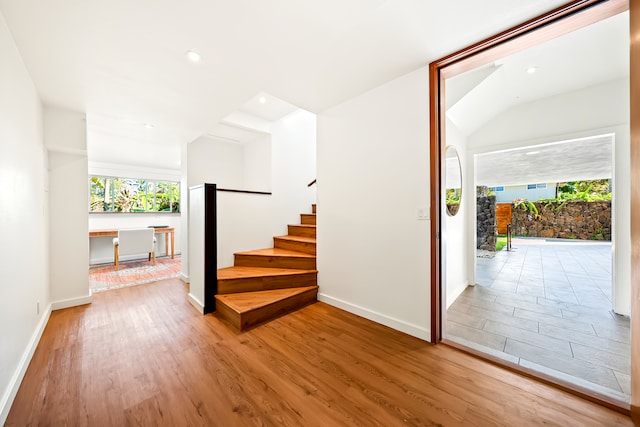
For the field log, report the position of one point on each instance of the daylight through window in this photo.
(109, 194)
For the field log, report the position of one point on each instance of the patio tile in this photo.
(613, 332)
(576, 308)
(481, 337)
(479, 293)
(509, 287)
(602, 358)
(590, 300)
(556, 283)
(578, 368)
(522, 335)
(530, 281)
(560, 296)
(547, 303)
(624, 380)
(530, 305)
(587, 339)
(459, 306)
(572, 324)
(481, 313)
(537, 291)
(512, 298)
(466, 319)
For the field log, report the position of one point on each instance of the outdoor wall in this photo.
(596, 110)
(486, 223)
(24, 254)
(574, 220)
(373, 178)
(249, 221)
(65, 137)
(101, 248)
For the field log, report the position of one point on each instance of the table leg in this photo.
(172, 244)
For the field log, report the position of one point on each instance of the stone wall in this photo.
(573, 220)
(486, 228)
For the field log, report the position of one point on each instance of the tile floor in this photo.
(546, 305)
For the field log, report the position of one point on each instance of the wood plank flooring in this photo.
(144, 356)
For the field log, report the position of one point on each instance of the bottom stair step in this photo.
(247, 309)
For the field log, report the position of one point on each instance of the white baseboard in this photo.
(383, 319)
(453, 294)
(140, 257)
(16, 379)
(72, 302)
(194, 302)
(184, 278)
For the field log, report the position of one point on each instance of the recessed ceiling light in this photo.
(149, 126)
(532, 70)
(193, 56)
(263, 100)
(531, 153)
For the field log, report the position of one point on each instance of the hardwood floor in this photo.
(143, 356)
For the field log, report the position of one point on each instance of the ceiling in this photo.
(124, 63)
(589, 56)
(575, 160)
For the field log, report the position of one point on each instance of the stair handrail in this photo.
(311, 183)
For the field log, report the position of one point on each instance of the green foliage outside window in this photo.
(108, 194)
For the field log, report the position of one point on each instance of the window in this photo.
(500, 188)
(534, 186)
(110, 194)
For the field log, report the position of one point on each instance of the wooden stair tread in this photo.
(277, 252)
(303, 225)
(297, 238)
(246, 272)
(248, 301)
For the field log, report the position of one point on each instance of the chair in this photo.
(134, 241)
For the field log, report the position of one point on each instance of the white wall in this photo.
(184, 211)
(23, 221)
(373, 177)
(220, 161)
(597, 110)
(101, 248)
(591, 108)
(257, 164)
(455, 233)
(65, 138)
(249, 221)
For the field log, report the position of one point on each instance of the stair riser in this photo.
(275, 262)
(250, 284)
(307, 219)
(246, 320)
(292, 245)
(223, 311)
(296, 230)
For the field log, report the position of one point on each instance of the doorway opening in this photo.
(479, 116)
(546, 303)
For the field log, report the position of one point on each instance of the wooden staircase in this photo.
(266, 283)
